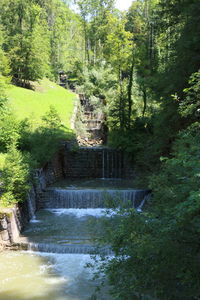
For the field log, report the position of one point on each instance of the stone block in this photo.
(3, 224)
(5, 236)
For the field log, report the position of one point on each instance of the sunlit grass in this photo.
(34, 104)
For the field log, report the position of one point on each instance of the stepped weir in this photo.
(89, 198)
(95, 162)
(61, 224)
(70, 218)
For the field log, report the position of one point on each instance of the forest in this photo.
(144, 63)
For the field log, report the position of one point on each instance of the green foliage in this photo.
(190, 107)
(25, 41)
(65, 37)
(40, 39)
(157, 252)
(52, 118)
(4, 66)
(3, 99)
(8, 123)
(179, 43)
(15, 177)
(34, 104)
(2, 160)
(94, 18)
(9, 130)
(98, 81)
(26, 145)
(43, 142)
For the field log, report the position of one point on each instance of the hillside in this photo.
(33, 104)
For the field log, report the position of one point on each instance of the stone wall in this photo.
(13, 220)
(53, 170)
(83, 163)
(96, 162)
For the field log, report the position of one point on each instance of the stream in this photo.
(59, 242)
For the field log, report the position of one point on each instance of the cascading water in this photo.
(70, 219)
(112, 163)
(31, 204)
(60, 243)
(46, 276)
(90, 198)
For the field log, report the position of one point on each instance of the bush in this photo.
(157, 252)
(43, 142)
(15, 177)
(9, 130)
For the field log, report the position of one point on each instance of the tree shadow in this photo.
(44, 141)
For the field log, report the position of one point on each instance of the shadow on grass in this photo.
(43, 142)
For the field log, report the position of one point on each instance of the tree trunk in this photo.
(145, 100)
(130, 84)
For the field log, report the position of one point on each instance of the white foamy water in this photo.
(46, 276)
(81, 212)
(70, 266)
(34, 220)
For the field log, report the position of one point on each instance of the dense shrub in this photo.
(157, 252)
(27, 149)
(15, 177)
(43, 142)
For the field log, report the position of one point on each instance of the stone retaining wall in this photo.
(96, 162)
(13, 220)
(83, 163)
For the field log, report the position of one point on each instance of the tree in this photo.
(119, 51)
(157, 251)
(141, 22)
(25, 43)
(4, 66)
(15, 177)
(181, 22)
(94, 19)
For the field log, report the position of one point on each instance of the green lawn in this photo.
(34, 104)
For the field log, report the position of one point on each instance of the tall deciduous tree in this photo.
(4, 66)
(94, 19)
(26, 44)
(119, 52)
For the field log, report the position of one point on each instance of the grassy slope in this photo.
(34, 104)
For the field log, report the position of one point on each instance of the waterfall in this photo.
(112, 163)
(31, 203)
(142, 203)
(90, 198)
(69, 249)
(64, 226)
(103, 163)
